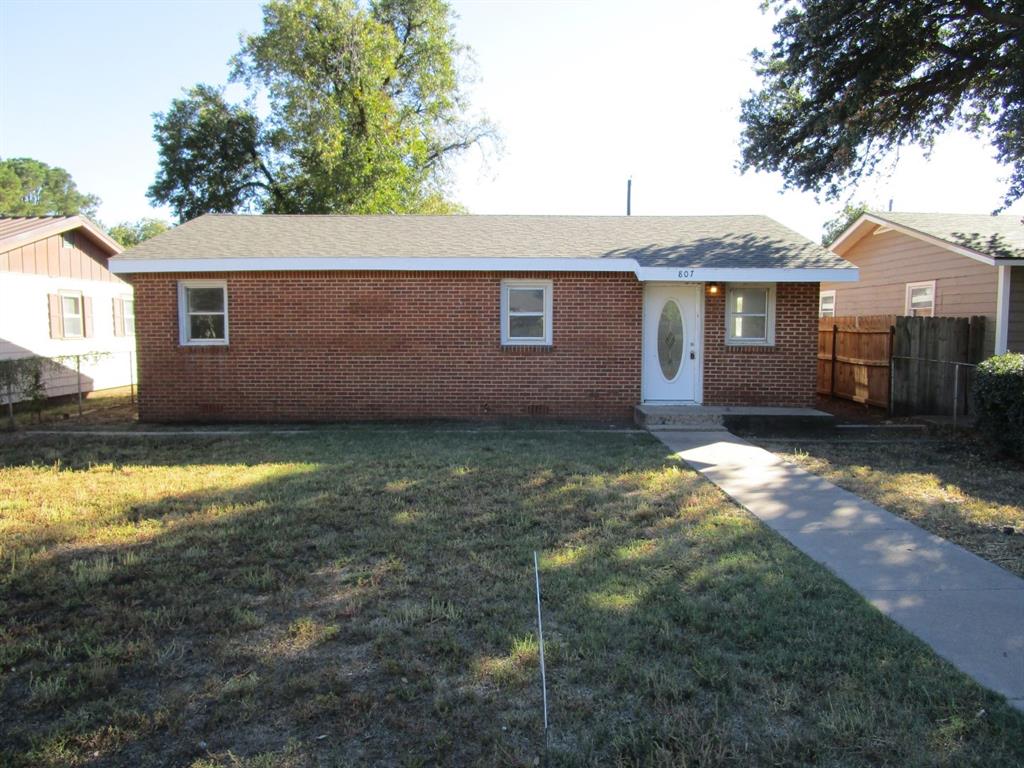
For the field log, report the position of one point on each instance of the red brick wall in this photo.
(784, 374)
(389, 345)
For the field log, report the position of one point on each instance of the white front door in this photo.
(671, 342)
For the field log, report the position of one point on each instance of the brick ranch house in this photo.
(405, 317)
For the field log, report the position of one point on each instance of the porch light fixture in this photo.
(713, 289)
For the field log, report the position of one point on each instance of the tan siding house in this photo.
(944, 265)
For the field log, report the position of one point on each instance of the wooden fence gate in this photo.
(908, 365)
(854, 355)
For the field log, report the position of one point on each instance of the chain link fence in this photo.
(30, 381)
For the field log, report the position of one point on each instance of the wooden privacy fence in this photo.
(909, 365)
(933, 364)
(854, 355)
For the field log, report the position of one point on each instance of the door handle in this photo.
(693, 355)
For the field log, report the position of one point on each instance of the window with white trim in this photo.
(921, 299)
(203, 312)
(526, 312)
(750, 315)
(827, 304)
(128, 315)
(67, 240)
(72, 316)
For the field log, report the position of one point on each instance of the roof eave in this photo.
(681, 272)
(849, 238)
(57, 227)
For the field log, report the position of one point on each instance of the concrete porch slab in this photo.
(968, 610)
(723, 417)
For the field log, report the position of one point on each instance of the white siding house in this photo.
(58, 300)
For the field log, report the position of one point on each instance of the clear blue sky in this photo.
(585, 93)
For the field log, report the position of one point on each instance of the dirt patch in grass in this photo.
(955, 488)
(364, 597)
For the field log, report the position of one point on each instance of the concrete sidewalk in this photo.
(969, 610)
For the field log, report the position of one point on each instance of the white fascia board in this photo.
(750, 275)
(399, 264)
(665, 274)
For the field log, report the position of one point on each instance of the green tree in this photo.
(833, 228)
(847, 81)
(31, 188)
(131, 233)
(367, 111)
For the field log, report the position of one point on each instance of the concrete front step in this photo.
(727, 417)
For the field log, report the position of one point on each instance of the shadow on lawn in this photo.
(378, 594)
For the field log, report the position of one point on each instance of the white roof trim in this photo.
(837, 244)
(423, 264)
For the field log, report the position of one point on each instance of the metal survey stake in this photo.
(540, 640)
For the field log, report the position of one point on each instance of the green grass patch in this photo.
(365, 596)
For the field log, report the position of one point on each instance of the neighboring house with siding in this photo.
(394, 317)
(58, 299)
(935, 264)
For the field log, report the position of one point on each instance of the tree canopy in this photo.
(847, 81)
(834, 227)
(367, 111)
(131, 233)
(32, 188)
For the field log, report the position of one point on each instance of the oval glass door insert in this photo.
(670, 340)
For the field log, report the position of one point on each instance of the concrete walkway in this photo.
(969, 610)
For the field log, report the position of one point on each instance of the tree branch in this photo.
(989, 13)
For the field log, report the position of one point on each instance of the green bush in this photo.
(999, 401)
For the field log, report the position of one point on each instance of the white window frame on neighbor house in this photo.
(77, 296)
(128, 315)
(768, 340)
(184, 315)
(930, 284)
(507, 339)
(822, 311)
(67, 239)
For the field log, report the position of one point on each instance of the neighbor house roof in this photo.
(987, 238)
(605, 243)
(16, 231)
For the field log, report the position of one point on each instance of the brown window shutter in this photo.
(56, 320)
(118, 317)
(87, 316)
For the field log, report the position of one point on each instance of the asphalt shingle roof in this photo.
(697, 241)
(1001, 237)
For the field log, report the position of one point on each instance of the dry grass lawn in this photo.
(364, 596)
(955, 488)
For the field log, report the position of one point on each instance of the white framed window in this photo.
(128, 315)
(750, 314)
(72, 315)
(203, 312)
(526, 312)
(827, 304)
(921, 299)
(68, 240)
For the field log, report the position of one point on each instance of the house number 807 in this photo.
(684, 273)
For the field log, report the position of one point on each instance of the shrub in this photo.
(999, 401)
